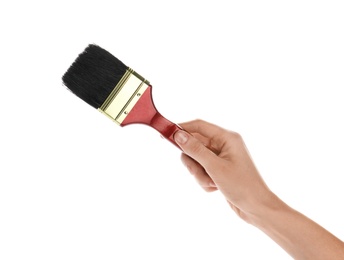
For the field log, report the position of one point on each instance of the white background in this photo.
(73, 185)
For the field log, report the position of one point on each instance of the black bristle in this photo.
(93, 75)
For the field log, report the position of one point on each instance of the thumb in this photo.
(194, 148)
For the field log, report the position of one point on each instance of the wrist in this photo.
(266, 209)
(298, 235)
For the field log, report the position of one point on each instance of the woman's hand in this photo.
(219, 160)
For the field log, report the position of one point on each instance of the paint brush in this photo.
(107, 84)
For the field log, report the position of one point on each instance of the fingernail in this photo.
(180, 137)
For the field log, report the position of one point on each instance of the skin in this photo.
(220, 160)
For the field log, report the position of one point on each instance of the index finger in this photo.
(202, 127)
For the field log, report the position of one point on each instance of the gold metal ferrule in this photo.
(124, 96)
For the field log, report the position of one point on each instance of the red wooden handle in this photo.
(145, 112)
(165, 127)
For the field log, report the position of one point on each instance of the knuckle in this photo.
(236, 137)
(196, 148)
(198, 121)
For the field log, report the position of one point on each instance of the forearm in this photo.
(301, 237)
(229, 166)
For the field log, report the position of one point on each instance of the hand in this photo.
(219, 160)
